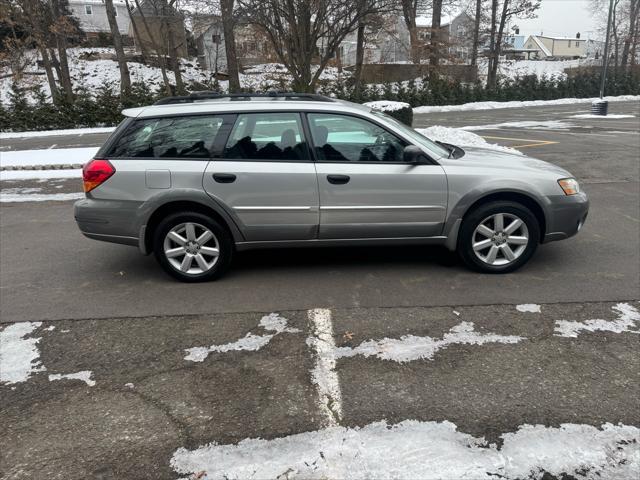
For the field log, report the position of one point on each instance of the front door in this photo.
(265, 176)
(366, 190)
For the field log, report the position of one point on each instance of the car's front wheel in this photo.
(192, 247)
(498, 237)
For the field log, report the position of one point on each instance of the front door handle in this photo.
(224, 177)
(338, 179)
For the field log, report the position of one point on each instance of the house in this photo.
(151, 24)
(92, 16)
(456, 32)
(556, 48)
(386, 42)
(514, 47)
(252, 45)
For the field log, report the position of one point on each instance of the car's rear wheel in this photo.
(192, 247)
(498, 237)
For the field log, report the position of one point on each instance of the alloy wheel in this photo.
(191, 248)
(500, 239)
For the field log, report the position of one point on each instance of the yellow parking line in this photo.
(538, 143)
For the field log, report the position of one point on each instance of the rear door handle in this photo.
(338, 179)
(224, 177)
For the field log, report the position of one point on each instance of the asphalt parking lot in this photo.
(295, 344)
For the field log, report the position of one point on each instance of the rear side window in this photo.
(170, 137)
(267, 137)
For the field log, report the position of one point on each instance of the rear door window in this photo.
(267, 137)
(169, 137)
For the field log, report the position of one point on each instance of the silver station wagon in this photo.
(194, 179)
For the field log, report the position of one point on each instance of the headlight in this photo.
(569, 186)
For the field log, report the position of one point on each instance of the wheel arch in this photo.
(463, 208)
(175, 206)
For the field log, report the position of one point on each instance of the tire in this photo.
(498, 250)
(196, 261)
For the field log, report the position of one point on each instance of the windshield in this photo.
(433, 147)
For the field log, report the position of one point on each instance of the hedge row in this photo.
(103, 107)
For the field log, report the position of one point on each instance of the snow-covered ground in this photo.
(51, 133)
(97, 73)
(517, 104)
(53, 156)
(540, 68)
(427, 450)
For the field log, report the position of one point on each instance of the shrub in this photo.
(399, 110)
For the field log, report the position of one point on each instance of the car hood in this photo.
(478, 156)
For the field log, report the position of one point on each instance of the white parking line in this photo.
(324, 374)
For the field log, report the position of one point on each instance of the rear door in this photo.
(266, 177)
(366, 190)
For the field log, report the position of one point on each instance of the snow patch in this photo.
(517, 104)
(84, 375)
(51, 156)
(19, 355)
(530, 124)
(628, 316)
(427, 450)
(45, 197)
(40, 174)
(410, 347)
(250, 342)
(528, 307)
(462, 138)
(52, 133)
(387, 105)
(602, 117)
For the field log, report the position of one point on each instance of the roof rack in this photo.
(206, 95)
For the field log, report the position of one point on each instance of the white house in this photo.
(92, 15)
(556, 48)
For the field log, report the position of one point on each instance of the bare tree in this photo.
(436, 33)
(631, 36)
(228, 25)
(125, 79)
(160, 55)
(295, 29)
(61, 27)
(502, 11)
(476, 32)
(410, 9)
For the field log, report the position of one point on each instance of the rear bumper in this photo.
(567, 215)
(108, 221)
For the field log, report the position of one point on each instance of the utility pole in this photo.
(605, 59)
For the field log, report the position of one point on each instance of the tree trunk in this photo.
(48, 68)
(409, 12)
(61, 44)
(498, 44)
(173, 57)
(414, 42)
(436, 32)
(228, 22)
(634, 7)
(136, 33)
(160, 55)
(476, 33)
(492, 44)
(357, 73)
(125, 79)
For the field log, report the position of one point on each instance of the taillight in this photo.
(96, 172)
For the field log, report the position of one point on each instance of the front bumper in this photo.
(567, 215)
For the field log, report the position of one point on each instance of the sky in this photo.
(561, 18)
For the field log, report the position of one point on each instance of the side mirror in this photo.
(414, 155)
